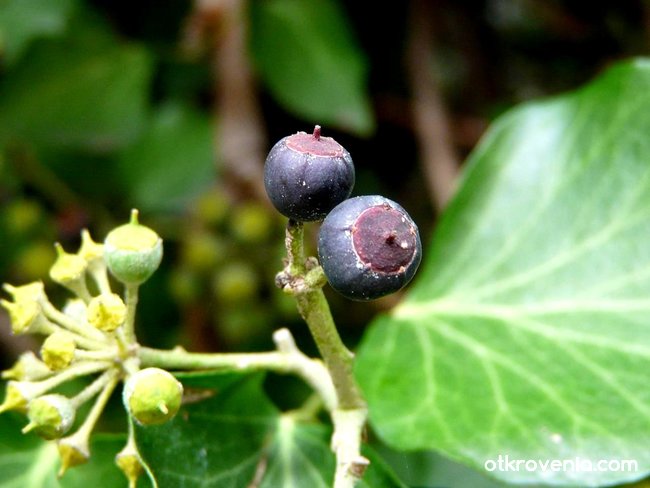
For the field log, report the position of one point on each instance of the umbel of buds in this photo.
(92, 334)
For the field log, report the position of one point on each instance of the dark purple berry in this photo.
(307, 175)
(369, 247)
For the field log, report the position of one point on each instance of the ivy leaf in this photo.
(300, 456)
(22, 21)
(238, 436)
(527, 333)
(171, 161)
(309, 60)
(27, 461)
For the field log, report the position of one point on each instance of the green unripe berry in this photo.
(251, 223)
(152, 396)
(50, 416)
(235, 283)
(202, 251)
(133, 252)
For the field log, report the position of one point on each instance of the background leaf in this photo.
(527, 333)
(26, 461)
(309, 60)
(73, 94)
(22, 21)
(171, 161)
(238, 435)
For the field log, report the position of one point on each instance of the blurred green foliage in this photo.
(108, 105)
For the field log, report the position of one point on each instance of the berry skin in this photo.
(307, 175)
(369, 247)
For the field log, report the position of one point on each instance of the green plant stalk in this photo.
(287, 359)
(93, 389)
(131, 305)
(349, 417)
(74, 371)
(315, 310)
(97, 409)
(71, 324)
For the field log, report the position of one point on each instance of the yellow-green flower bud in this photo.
(57, 350)
(68, 268)
(152, 396)
(26, 316)
(106, 312)
(32, 291)
(90, 250)
(50, 416)
(133, 252)
(129, 463)
(73, 451)
(28, 367)
(17, 396)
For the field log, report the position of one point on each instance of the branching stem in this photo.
(349, 417)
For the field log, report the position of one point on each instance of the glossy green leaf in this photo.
(70, 94)
(527, 333)
(309, 60)
(171, 161)
(27, 461)
(238, 436)
(22, 21)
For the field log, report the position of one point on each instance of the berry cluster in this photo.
(368, 246)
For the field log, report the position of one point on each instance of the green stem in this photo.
(177, 359)
(67, 322)
(98, 272)
(304, 280)
(131, 305)
(94, 388)
(97, 408)
(74, 371)
(315, 310)
(287, 359)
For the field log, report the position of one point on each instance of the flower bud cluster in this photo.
(92, 334)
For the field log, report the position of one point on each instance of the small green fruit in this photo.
(152, 396)
(50, 416)
(133, 252)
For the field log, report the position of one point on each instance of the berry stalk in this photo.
(349, 417)
(315, 310)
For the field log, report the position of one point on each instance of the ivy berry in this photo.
(369, 247)
(307, 175)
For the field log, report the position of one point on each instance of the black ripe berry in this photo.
(369, 247)
(307, 175)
